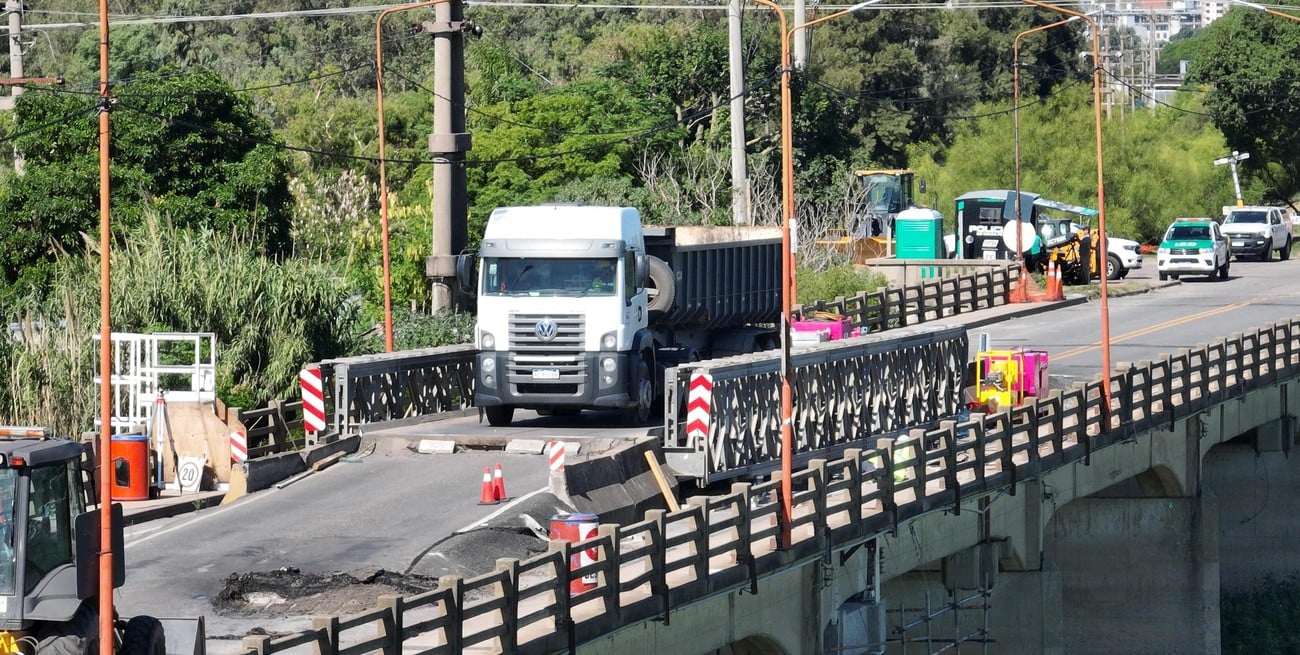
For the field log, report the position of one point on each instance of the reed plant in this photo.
(270, 317)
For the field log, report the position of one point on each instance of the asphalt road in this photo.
(384, 511)
(1143, 326)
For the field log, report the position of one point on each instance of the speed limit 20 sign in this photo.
(189, 473)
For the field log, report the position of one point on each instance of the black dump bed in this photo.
(723, 276)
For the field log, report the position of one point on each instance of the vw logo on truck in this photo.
(546, 330)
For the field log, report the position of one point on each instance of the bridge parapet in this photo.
(727, 544)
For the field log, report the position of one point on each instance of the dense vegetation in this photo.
(251, 144)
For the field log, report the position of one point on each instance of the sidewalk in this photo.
(170, 502)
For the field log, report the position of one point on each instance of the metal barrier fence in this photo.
(844, 392)
(406, 386)
(648, 568)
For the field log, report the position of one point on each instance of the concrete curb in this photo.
(264, 472)
(183, 505)
(614, 481)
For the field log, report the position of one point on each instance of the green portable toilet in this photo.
(918, 233)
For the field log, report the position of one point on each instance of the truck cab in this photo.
(563, 312)
(1256, 231)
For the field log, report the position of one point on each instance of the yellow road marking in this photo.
(1150, 329)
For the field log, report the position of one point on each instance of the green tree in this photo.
(1251, 63)
(1156, 163)
(182, 143)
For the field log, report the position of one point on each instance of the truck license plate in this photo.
(990, 256)
(1238, 243)
(546, 374)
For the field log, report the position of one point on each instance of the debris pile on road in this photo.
(289, 592)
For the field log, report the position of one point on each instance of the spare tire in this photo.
(662, 289)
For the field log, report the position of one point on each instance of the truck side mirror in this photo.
(466, 272)
(921, 186)
(642, 271)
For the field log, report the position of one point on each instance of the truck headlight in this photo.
(607, 363)
(1206, 251)
(488, 342)
(489, 380)
(489, 364)
(609, 341)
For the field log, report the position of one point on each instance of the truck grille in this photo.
(541, 365)
(1184, 251)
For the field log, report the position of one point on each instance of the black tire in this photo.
(143, 636)
(662, 288)
(499, 416)
(1173, 275)
(643, 392)
(1114, 267)
(1223, 272)
(1267, 254)
(78, 636)
(1163, 276)
(1285, 254)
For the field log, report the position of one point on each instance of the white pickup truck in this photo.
(1256, 231)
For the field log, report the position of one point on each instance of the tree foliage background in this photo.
(259, 134)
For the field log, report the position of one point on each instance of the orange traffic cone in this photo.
(1020, 292)
(498, 484)
(487, 496)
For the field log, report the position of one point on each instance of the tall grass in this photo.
(269, 318)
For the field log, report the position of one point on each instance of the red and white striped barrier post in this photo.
(313, 400)
(238, 447)
(699, 406)
(555, 451)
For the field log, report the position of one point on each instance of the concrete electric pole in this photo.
(449, 142)
(739, 169)
(1231, 160)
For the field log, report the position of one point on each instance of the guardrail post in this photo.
(508, 588)
(391, 627)
(919, 473)
(260, 644)
(744, 538)
(455, 587)
(658, 558)
(700, 546)
(613, 579)
(563, 617)
(328, 627)
(949, 446)
(886, 477)
(820, 501)
(854, 475)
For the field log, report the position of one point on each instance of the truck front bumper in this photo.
(590, 384)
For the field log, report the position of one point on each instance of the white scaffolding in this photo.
(180, 365)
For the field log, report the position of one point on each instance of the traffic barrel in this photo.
(574, 528)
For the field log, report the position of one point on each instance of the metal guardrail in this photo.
(525, 607)
(845, 391)
(398, 387)
(408, 386)
(267, 430)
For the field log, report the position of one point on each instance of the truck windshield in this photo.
(1247, 217)
(1188, 232)
(503, 276)
(8, 489)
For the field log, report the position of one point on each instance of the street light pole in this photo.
(787, 257)
(1231, 161)
(383, 180)
(1101, 200)
(1015, 103)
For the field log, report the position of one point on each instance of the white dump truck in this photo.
(582, 307)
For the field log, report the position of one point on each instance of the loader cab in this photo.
(882, 194)
(48, 540)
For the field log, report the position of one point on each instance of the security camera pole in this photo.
(1232, 161)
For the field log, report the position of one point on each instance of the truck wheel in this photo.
(1285, 253)
(78, 636)
(1114, 267)
(499, 416)
(644, 391)
(1223, 272)
(144, 636)
(1163, 276)
(662, 289)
